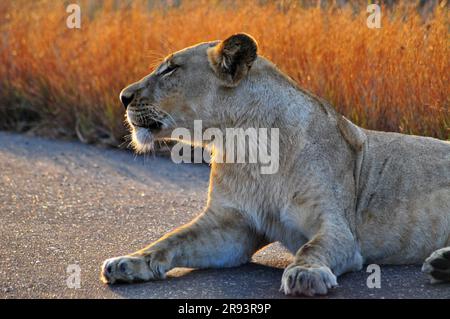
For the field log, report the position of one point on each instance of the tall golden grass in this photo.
(66, 81)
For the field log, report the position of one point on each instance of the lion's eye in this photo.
(168, 70)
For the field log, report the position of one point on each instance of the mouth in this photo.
(150, 120)
(145, 131)
(152, 126)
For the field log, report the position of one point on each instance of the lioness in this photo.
(343, 196)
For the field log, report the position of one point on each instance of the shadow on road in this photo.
(260, 281)
(248, 281)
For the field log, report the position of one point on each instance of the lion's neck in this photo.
(266, 98)
(269, 99)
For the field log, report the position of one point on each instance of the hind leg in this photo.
(437, 266)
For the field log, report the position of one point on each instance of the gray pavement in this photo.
(65, 203)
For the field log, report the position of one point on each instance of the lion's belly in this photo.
(408, 233)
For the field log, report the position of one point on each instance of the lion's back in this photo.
(408, 163)
(405, 197)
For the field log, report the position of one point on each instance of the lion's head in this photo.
(191, 84)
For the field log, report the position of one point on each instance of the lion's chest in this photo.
(268, 203)
(271, 212)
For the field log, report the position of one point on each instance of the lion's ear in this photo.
(232, 58)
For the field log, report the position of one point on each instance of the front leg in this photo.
(217, 238)
(331, 252)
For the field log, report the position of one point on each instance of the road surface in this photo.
(66, 203)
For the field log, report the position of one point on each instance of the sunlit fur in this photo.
(142, 140)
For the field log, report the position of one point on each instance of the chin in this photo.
(142, 140)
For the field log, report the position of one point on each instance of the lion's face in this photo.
(183, 88)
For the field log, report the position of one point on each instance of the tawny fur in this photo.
(343, 196)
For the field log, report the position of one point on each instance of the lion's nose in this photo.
(126, 98)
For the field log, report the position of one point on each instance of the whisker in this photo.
(127, 138)
(169, 117)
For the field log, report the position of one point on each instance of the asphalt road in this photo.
(64, 203)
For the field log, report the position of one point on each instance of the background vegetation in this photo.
(65, 82)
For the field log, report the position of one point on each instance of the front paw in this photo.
(125, 269)
(309, 281)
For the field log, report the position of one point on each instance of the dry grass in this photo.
(61, 81)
